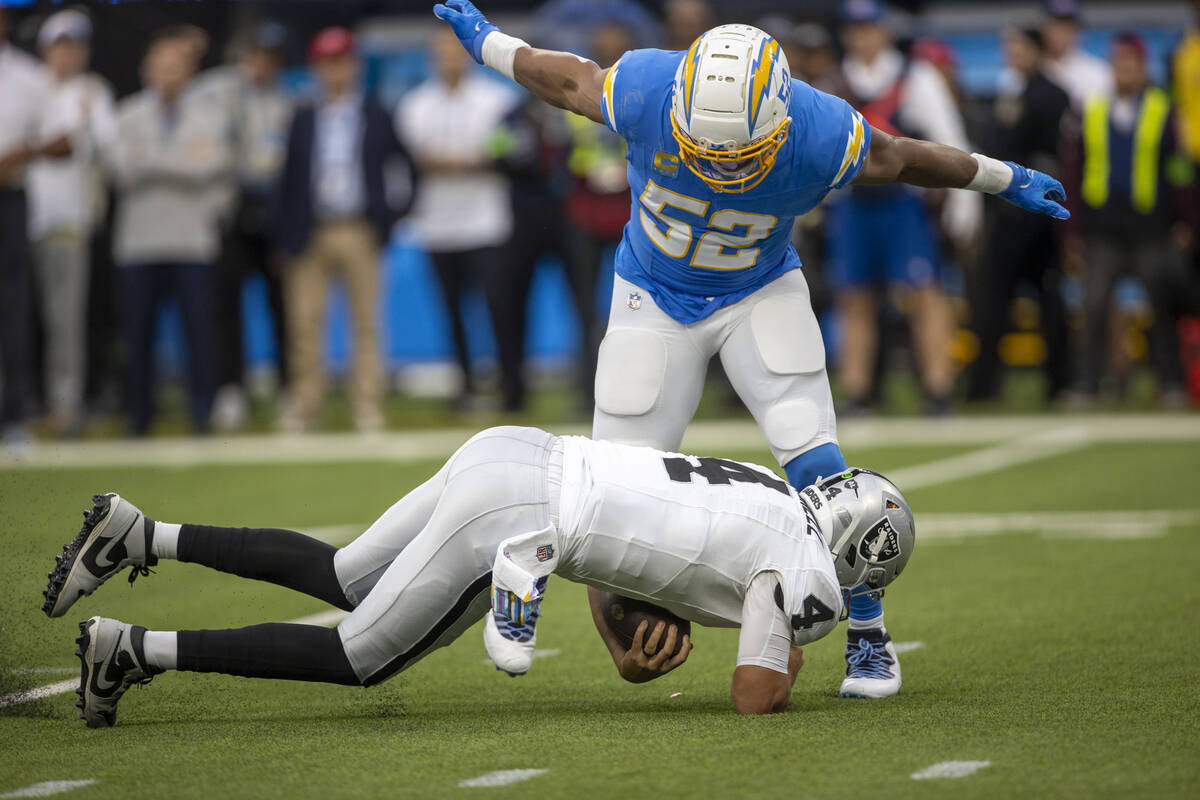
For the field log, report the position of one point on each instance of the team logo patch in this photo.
(634, 302)
(545, 552)
(881, 543)
(666, 164)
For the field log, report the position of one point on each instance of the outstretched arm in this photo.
(561, 79)
(937, 166)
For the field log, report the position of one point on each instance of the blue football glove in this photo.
(468, 23)
(1036, 191)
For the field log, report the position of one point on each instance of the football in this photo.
(624, 614)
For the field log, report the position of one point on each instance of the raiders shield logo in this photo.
(881, 543)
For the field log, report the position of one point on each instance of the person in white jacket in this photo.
(63, 203)
(885, 234)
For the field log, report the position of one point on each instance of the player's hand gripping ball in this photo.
(624, 614)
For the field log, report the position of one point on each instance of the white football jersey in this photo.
(690, 534)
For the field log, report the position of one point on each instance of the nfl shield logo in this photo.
(545, 552)
(635, 301)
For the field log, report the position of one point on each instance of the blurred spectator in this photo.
(258, 112)
(1027, 129)
(1079, 73)
(1185, 79)
(170, 158)
(1132, 213)
(337, 201)
(884, 234)
(1185, 73)
(26, 133)
(568, 25)
(597, 209)
(463, 210)
(62, 206)
(532, 152)
(685, 21)
(814, 59)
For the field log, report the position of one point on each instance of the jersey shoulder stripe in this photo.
(634, 90)
(836, 138)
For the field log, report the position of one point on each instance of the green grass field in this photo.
(1068, 659)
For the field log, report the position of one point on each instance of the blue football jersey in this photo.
(696, 250)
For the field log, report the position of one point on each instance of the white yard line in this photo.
(48, 788)
(950, 769)
(502, 777)
(702, 437)
(38, 693)
(995, 458)
(1058, 524)
(907, 647)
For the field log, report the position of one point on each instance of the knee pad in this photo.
(630, 372)
(787, 336)
(791, 424)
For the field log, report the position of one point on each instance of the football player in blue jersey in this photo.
(724, 150)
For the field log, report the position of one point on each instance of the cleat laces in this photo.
(868, 660)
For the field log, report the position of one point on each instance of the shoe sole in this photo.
(94, 523)
(85, 653)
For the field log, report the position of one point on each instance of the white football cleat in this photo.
(872, 668)
(112, 659)
(115, 534)
(509, 645)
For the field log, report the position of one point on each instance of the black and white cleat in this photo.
(111, 660)
(115, 534)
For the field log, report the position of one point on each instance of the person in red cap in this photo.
(335, 212)
(1135, 201)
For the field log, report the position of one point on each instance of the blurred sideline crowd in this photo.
(202, 179)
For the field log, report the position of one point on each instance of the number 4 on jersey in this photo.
(812, 612)
(720, 472)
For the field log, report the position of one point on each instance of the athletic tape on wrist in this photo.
(499, 51)
(992, 177)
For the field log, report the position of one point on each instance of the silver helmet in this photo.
(868, 526)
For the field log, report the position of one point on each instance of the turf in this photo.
(1070, 664)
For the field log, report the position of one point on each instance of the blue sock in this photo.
(803, 470)
(820, 462)
(862, 607)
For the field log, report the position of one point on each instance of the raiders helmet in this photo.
(868, 525)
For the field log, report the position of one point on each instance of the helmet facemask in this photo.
(731, 168)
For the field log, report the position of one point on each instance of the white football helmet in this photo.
(868, 525)
(729, 111)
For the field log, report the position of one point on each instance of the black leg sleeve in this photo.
(274, 650)
(285, 558)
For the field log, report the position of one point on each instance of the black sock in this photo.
(285, 558)
(274, 650)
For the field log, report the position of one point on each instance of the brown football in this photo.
(624, 614)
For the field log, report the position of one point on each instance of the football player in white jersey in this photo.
(716, 542)
(724, 151)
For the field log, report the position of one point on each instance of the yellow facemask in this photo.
(697, 158)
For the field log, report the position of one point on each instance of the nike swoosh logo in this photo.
(478, 25)
(1026, 185)
(113, 675)
(109, 555)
